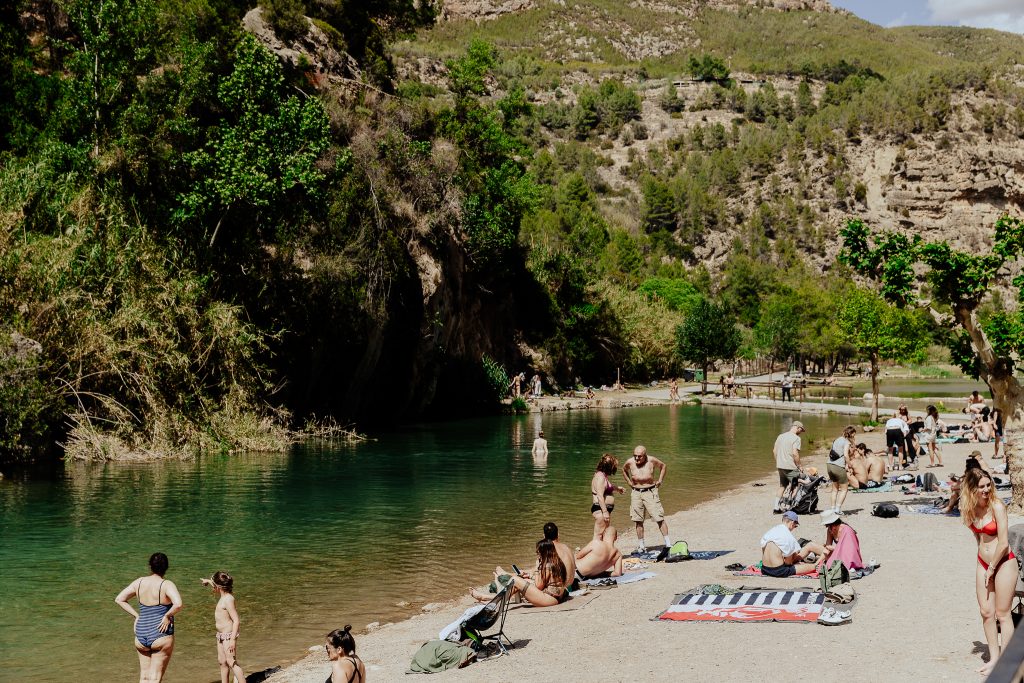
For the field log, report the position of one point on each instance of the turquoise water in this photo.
(321, 537)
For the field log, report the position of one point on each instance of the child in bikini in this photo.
(225, 616)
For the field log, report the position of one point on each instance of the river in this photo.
(324, 536)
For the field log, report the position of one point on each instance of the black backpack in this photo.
(885, 510)
(807, 504)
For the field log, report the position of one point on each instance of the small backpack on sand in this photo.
(885, 510)
(678, 552)
(833, 574)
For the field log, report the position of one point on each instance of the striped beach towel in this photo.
(799, 606)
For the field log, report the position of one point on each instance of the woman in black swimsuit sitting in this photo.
(346, 667)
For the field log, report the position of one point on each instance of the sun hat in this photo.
(798, 423)
(829, 517)
(791, 516)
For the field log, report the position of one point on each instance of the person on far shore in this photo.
(997, 570)
(996, 418)
(929, 435)
(159, 601)
(787, 388)
(673, 390)
(346, 667)
(536, 384)
(975, 403)
(600, 556)
(225, 618)
(540, 446)
(781, 554)
(603, 493)
(516, 385)
(838, 459)
(787, 459)
(639, 474)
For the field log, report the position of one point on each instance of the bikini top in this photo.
(990, 529)
(608, 488)
(355, 670)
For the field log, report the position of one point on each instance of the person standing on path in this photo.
(838, 459)
(787, 388)
(787, 459)
(639, 474)
(540, 446)
(536, 384)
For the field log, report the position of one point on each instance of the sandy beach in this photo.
(916, 618)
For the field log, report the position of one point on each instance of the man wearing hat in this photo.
(787, 459)
(781, 554)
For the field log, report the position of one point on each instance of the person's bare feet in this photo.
(480, 596)
(986, 669)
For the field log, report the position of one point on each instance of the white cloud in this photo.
(1005, 15)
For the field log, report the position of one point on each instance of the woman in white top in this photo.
(928, 435)
(896, 430)
(838, 461)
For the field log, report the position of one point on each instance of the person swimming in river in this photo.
(225, 618)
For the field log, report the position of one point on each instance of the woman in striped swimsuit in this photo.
(159, 601)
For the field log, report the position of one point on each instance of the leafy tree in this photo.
(659, 206)
(707, 334)
(775, 334)
(879, 331)
(267, 145)
(708, 68)
(804, 99)
(677, 293)
(952, 285)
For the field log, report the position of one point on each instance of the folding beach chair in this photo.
(492, 614)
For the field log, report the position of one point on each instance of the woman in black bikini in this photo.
(603, 493)
(997, 570)
(346, 667)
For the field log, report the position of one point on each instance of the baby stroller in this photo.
(802, 495)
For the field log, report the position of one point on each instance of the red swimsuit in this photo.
(990, 529)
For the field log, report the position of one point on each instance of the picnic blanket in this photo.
(754, 570)
(694, 554)
(884, 488)
(628, 577)
(764, 605)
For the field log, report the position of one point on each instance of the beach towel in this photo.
(439, 655)
(754, 570)
(577, 600)
(931, 510)
(694, 554)
(795, 606)
(628, 577)
(453, 631)
(884, 488)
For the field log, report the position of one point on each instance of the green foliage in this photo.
(677, 293)
(879, 330)
(707, 334)
(775, 333)
(497, 378)
(268, 146)
(647, 328)
(604, 109)
(708, 68)
(659, 206)
(286, 17)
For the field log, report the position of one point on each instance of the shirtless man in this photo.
(975, 403)
(673, 390)
(781, 554)
(540, 446)
(600, 556)
(863, 466)
(639, 474)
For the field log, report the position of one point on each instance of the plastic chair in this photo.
(492, 613)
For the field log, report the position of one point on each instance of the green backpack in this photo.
(833, 574)
(678, 552)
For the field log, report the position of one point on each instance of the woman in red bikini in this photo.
(603, 494)
(997, 570)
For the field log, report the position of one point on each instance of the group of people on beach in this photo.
(159, 601)
(973, 495)
(558, 570)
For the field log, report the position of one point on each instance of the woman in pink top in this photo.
(603, 493)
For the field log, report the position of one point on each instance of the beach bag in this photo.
(833, 574)
(678, 552)
(885, 510)
(832, 455)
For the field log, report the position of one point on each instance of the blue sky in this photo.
(1005, 15)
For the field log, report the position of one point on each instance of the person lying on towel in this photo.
(781, 554)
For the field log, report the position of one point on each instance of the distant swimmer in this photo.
(540, 446)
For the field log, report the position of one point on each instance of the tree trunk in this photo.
(1007, 395)
(874, 387)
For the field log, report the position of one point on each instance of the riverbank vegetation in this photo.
(210, 234)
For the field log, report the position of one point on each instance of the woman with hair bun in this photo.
(346, 667)
(159, 601)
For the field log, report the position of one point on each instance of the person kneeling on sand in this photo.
(781, 554)
(865, 469)
(600, 556)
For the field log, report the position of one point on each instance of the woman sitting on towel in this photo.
(544, 587)
(841, 542)
(997, 570)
